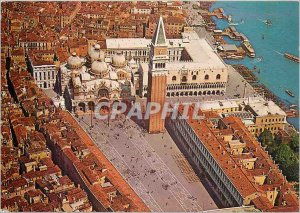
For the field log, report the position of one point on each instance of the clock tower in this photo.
(157, 76)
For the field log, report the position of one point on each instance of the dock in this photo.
(291, 57)
(218, 12)
(233, 34)
(262, 89)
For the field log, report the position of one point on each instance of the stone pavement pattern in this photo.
(126, 145)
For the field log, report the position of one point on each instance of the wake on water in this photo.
(256, 60)
(278, 52)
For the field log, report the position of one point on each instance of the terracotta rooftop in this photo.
(241, 177)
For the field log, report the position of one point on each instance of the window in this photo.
(194, 77)
(206, 77)
(218, 76)
(174, 78)
(184, 79)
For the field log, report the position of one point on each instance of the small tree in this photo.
(292, 172)
(284, 155)
(267, 140)
(295, 143)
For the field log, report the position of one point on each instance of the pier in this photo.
(263, 90)
(233, 34)
(245, 48)
(218, 12)
(291, 57)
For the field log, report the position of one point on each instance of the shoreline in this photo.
(259, 87)
(209, 25)
(254, 81)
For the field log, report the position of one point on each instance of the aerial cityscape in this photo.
(149, 106)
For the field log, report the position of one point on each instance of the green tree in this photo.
(278, 139)
(288, 162)
(267, 140)
(284, 155)
(292, 172)
(295, 143)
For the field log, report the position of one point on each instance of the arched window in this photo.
(184, 79)
(103, 93)
(218, 76)
(174, 78)
(206, 77)
(194, 77)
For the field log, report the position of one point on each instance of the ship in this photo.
(289, 93)
(291, 57)
(248, 48)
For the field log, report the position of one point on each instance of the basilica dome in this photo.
(99, 68)
(118, 60)
(74, 61)
(95, 53)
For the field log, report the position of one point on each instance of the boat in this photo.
(255, 69)
(293, 106)
(268, 22)
(248, 48)
(291, 57)
(229, 19)
(289, 93)
(233, 24)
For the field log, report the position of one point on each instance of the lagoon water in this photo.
(276, 72)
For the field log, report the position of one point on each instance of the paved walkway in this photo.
(154, 175)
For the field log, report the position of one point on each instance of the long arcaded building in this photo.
(240, 170)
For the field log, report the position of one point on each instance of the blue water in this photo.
(276, 72)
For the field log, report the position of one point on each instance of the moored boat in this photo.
(291, 57)
(248, 48)
(289, 93)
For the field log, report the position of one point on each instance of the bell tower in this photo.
(157, 76)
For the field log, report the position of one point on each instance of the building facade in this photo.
(256, 113)
(45, 75)
(203, 159)
(43, 64)
(240, 171)
(267, 115)
(194, 69)
(87, 81)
